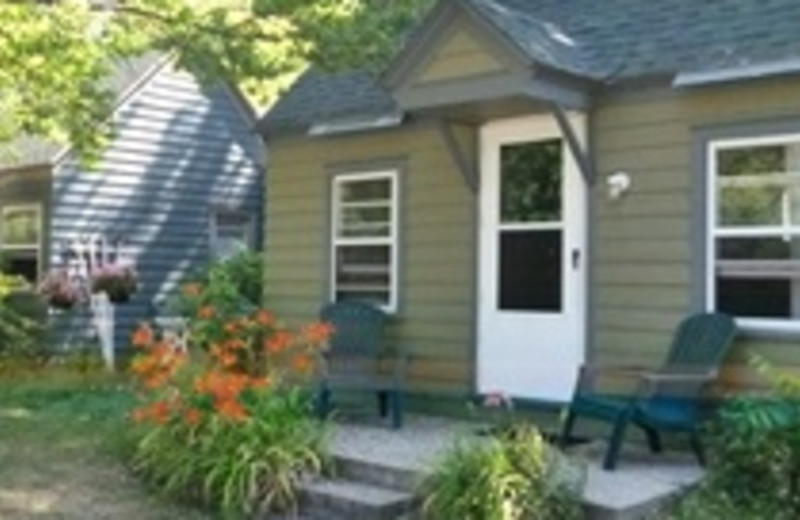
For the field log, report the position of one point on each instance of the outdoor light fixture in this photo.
(618, 184)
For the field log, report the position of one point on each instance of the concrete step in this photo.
(339, 499)
(377, 474)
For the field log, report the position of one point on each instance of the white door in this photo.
(531, 329)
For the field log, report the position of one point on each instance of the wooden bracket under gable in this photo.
(466, 162)
(580, 152)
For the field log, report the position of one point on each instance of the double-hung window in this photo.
(21, 240)
(364, 238)
(231, 233)
(754, 246)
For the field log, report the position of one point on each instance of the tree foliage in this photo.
(56, 54)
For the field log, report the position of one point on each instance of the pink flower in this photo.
(497, 400)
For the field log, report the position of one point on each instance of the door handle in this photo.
(576, 258)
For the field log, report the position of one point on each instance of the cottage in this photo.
(531, 185)
(180, 182)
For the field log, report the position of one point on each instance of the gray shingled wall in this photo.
(179, 153)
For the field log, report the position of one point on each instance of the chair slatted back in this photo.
(698, 347)
(702, 341)
(358, 329)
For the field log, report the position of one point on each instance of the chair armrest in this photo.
(588, 374)
(680, 377)
(676, 381)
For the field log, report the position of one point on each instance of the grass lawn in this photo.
(59, 452)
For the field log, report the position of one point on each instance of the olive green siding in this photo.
(461, 55)
(644, 258)
(435, 320)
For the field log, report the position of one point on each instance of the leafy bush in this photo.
(755, 456)
(232, 427)
(22, 317)
(511, 476)
(233, 286)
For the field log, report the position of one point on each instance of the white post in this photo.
(103, 311)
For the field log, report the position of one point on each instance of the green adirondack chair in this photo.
(667, 400)
(356, 360)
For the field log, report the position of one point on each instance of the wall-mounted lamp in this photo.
(618, 184)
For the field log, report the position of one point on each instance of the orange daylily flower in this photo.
(224, 357)
(232, 410)
(193, 416)
(260, 383)
(160, 412)
(235, 344)
(143, 336)
(318, 333)
(232, 327)
(265, 318)
(192, 289)
(302, 363)
(206, 312)
(279, 342)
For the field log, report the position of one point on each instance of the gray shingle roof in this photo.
(606, 40)
(321, 96)
(31, 151)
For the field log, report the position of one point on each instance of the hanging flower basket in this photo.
(118, 296)
(119, 282)
(58, 290)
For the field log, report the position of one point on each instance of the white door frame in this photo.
(567, 349)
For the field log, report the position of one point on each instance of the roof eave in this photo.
(749, 72)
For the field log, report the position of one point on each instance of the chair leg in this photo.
(615, 442)
(566, 430)
(323, 402)
(396, 399)
(697, 448)
(653, 439)
(383, 403)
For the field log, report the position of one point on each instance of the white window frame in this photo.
(213, 226)
(391, 241)
(38, 209)
(774, 325)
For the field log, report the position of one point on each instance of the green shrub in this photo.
(232, 286)
(754, 470)
(511, 476)
(80, 359)
(22, 320)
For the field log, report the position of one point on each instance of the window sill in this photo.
(766, 328)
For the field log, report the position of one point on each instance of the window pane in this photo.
(752, 160)
(794, 201)
(759, 277)
(21, 263)
(530, 271)
(232, 234)
(755, 298)
(769, 248)
(20, 227)
(751, 206)
(363, 273)
(531, 182)
(366, 190)
(366, 222)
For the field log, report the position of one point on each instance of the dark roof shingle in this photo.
(605, 40)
